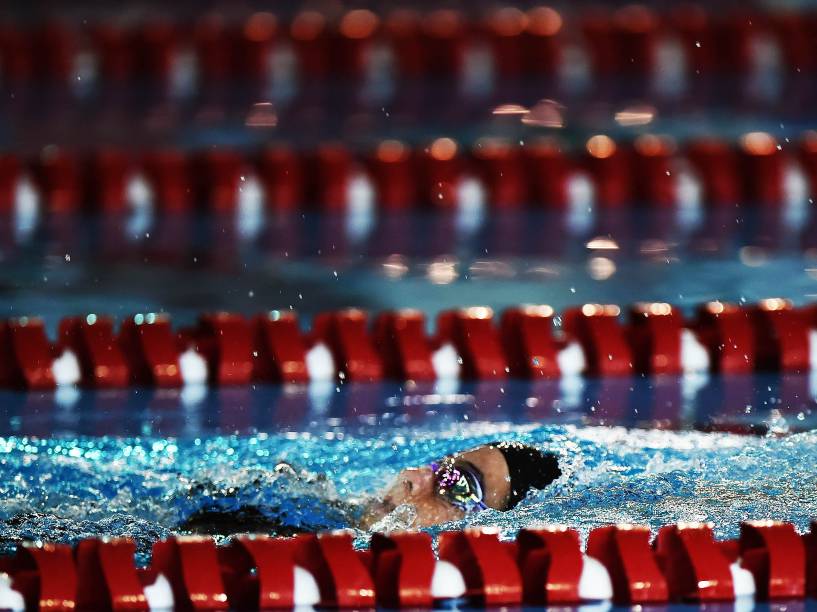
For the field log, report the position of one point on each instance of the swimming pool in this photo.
(69, 488)
(140, 461)
(472, 157)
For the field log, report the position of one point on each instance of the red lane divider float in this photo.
(471, 331)
(192, 568)
(655, 336)
(727, 333)
(405, 350)
(486, 564)
(528, 342)
(259, 571)
(27, 357)
(632, 41)
(775, 555)
(100, 356)
(150, 347)
(108, 564)
(403, 566)
(343, 579)
(651, 172)
(696, 569)
(602, 339)
(229, 349)
(347, 336)
(543, 566)
(551, 563)
(625, 552)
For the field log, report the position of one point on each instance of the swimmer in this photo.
(497, 475)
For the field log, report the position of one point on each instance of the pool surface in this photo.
(141, 462)
(309, 263)
(68, 488)
(584, 155)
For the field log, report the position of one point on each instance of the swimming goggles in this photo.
(460, 484)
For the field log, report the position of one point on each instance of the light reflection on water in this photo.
(141, 462)
(138, 462)
(66, 488)
(738, 403)
(187, 264)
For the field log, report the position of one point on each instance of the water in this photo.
(311, 263)
(66, 489)
(141, 462)
(755, 404)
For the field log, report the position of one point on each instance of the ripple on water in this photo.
(65, 489)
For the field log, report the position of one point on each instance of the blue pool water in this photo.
(752, 404)
(149, 463)
(67, 488)
(141, 462)
(311, 263)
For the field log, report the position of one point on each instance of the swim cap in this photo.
(528, 468)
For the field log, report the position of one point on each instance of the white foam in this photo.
(306, 592)
(65, 369)
(571, 359)
(447, 581)
(743, 581)
(319, 363)
(9, 598)
(594, 582)
(159, 595)
(446, 362)
(694, 356)
(193, 367)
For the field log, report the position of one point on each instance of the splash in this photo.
(148, 488)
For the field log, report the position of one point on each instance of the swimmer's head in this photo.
(497, 475)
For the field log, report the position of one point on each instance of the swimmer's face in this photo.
(417, 487)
